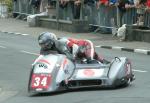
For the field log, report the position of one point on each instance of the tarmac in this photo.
(20, 27)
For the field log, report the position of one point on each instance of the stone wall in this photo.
(138, 33)
(77, 26)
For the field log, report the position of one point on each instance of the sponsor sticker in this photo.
(89, 73)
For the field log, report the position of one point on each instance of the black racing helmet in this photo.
(46, 40)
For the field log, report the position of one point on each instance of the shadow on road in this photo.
(78, 90)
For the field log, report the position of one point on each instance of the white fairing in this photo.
(117, 68)
(65, 71)
(45, 64)
(41, 56)
(61, 75)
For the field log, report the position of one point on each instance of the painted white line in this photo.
(24, 34)
(141, 51)
(142, 71)
(98, 46)
(4, 31)
(29, 53)
(14, 33)
(113, 47)
(2, 47)
(117, 48)
(17, 33)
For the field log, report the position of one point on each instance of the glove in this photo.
(75, 49)
(89, 60)
(81, 49)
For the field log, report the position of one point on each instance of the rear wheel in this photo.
(126, 82)
(129, 80)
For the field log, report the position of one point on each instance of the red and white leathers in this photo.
(89, 50)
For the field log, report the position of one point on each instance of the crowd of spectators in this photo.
(123, 6)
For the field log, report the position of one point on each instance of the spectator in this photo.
(140, 6)
(146, 18)
(102, 2)
(131, 3)
(43, 5)
(63, 3)
(76, 6)
(148, 5)
(35, 4)
(112, 2)
(89, 6)
(51, 4)
(123, 5)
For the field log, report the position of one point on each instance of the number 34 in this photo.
(40, 81)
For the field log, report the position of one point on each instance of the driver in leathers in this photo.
(72, 48)
(50, 44)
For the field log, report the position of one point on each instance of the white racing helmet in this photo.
(46, 40)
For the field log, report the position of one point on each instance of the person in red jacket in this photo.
(85, 49)
(148, 4)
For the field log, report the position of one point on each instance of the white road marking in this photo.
(14, 33)
(142, 71)
(24, 34)
(29, 53)
(117, 48)
(98, 46)
(141, 51)
(17, 33)
(2, 46)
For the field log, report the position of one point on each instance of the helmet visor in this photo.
(42, 45)
(46, 45)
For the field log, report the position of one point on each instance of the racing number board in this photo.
(40, 81)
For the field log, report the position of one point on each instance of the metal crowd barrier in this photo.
(66, 12)
(3, 10)
(147, 19)
(110, 17)
(23, 7)
(104, 17)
